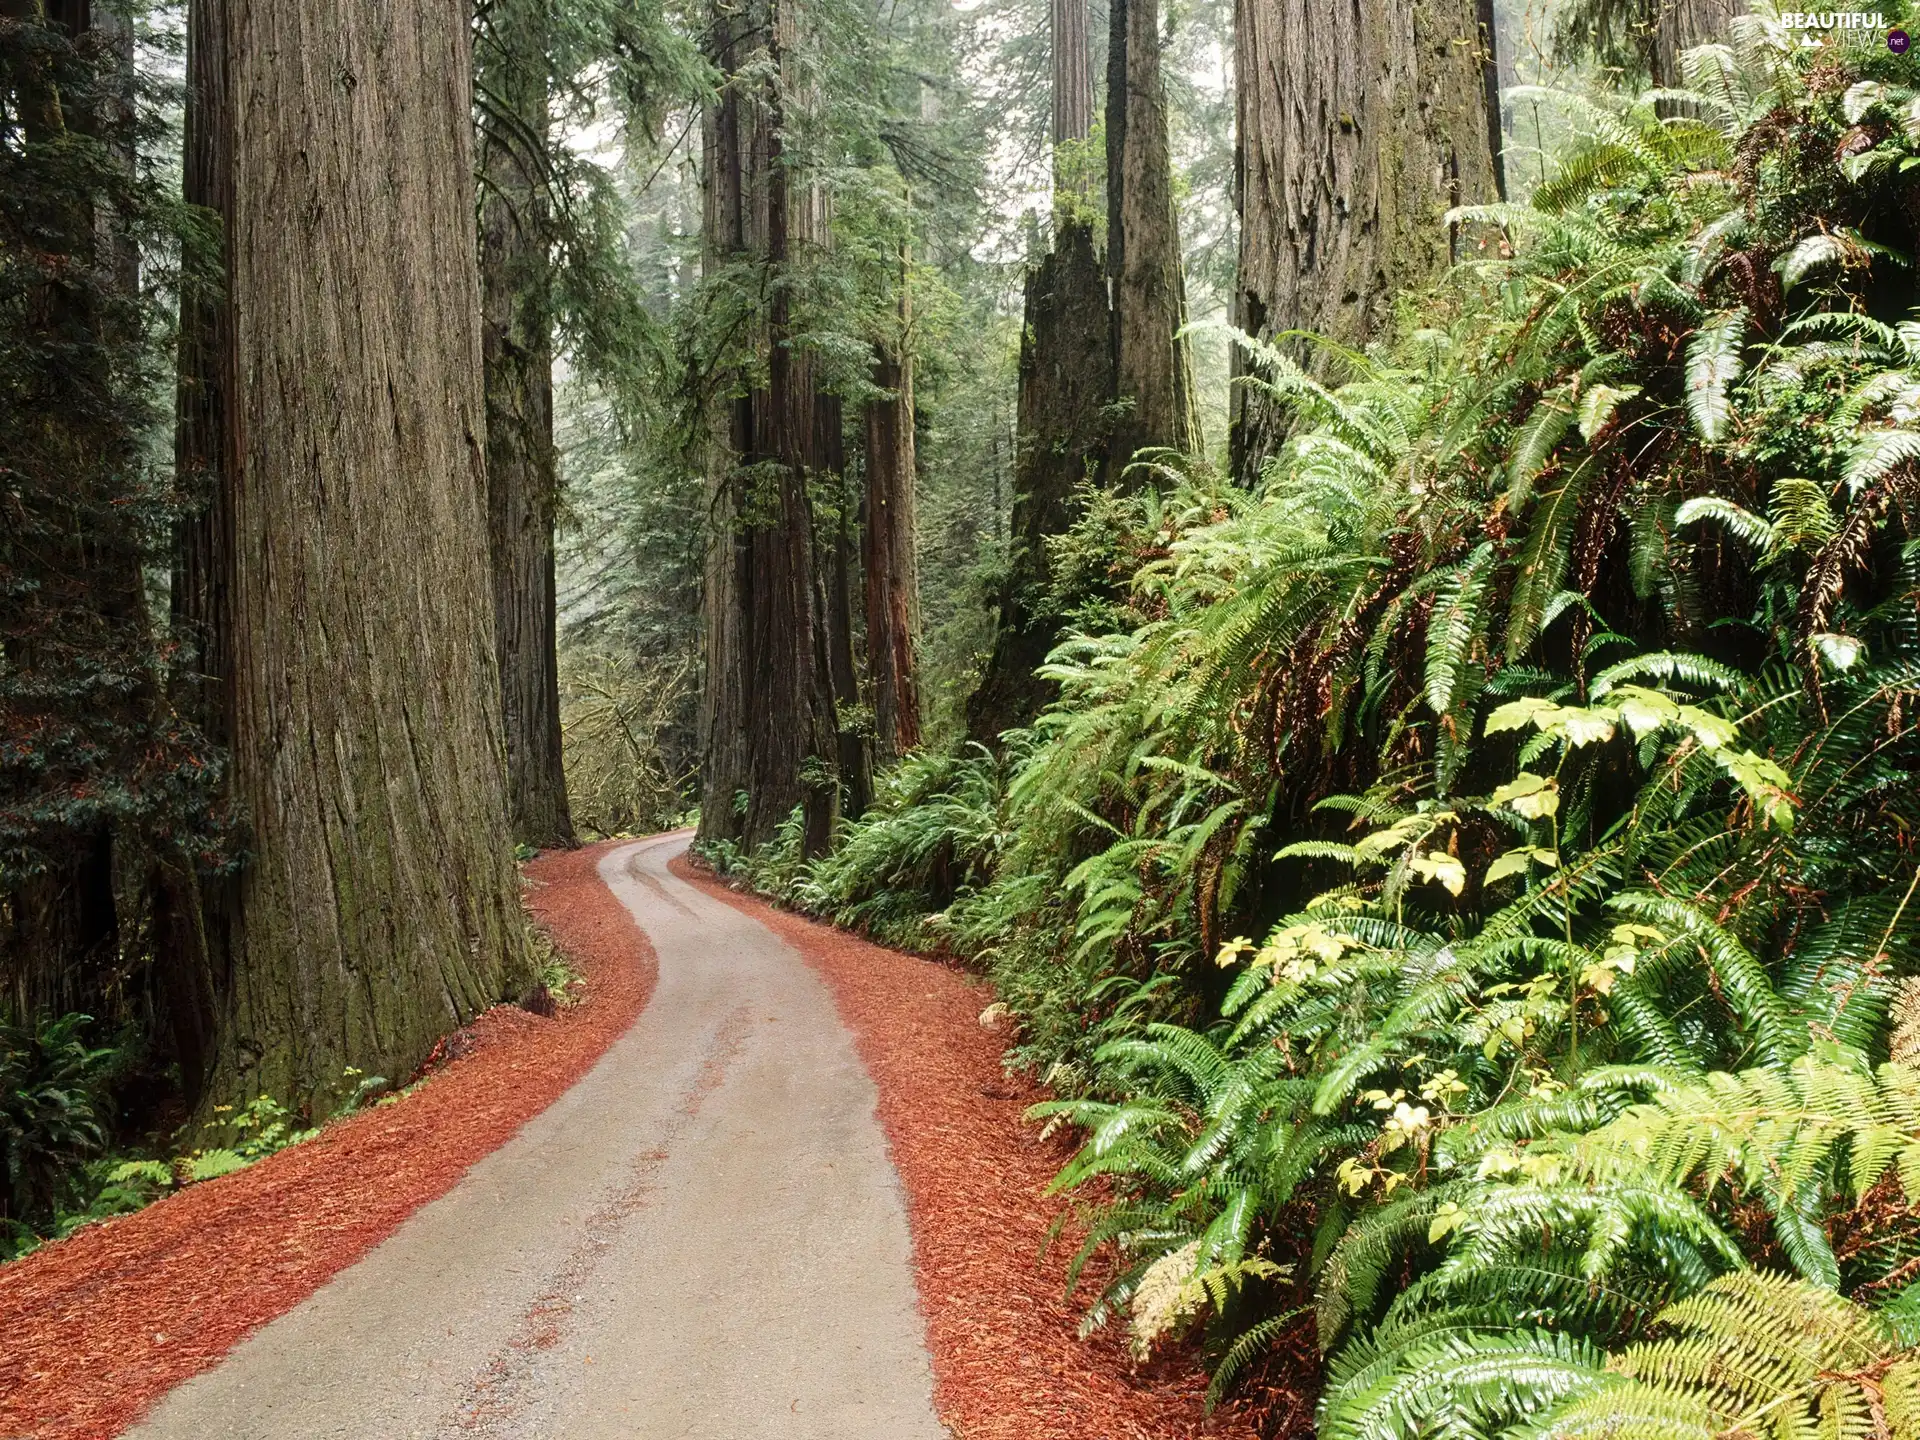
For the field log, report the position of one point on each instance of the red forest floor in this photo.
(95, 1328)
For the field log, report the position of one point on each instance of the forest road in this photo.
(703, 1240)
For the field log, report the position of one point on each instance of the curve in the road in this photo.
(704, 1238)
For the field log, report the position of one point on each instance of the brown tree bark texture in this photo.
(734, 228)
(1068, 26)
(522, 474)
(889, 562)
(192, 914)
(1152, 365)
(1682, 24)
(378, 907)
(1359, 126)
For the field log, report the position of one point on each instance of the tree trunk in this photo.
(734, 228)
(855, 737)
(195, 914)
(1359, 126)
(1069, 23)
(1066, 382)
(892, 575)
(1152, 368)
(378, 907)
(511, 73)
(1680, 25)
(771, 726)
(1064, 406)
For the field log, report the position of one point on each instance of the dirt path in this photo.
(703, 1238)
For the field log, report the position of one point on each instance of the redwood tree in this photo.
(1066, 389)
(888, 560)
(768, 706)
(1152, 367)
(342, 558)
(1359, 127)
(511, 76)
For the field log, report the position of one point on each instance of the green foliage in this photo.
(1547, 706)
(86, 746)
(1752, 1354)
(52, 1113)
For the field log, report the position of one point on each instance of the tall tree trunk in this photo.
(1066, 391)
(1066, 384)
(855, 738)
(378, 906)
(511, 73)
(1069, 24)
(195, 914)
(1152, 366)
(892, 574)
(1359, 126)
(734, 229)
(770, 714)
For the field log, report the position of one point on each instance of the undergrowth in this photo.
(1464, 896)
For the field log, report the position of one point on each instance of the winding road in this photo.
(703, 1240)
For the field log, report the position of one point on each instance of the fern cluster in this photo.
(1468, 895)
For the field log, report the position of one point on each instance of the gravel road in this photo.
(703, 1240)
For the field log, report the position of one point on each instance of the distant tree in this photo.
(1152, 369)
(1066, 389)
(888, 560)
(769, 711)
(513, 50)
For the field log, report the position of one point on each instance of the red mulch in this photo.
(95, 1328)
(1007, 1359)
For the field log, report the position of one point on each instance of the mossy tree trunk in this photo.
(342, 565)
(1359, 127)
(511, 75)
(1066, 385)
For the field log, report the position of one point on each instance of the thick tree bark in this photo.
(1066, 382)
(892, 576)
(1152, 367)
(1680, 25)
(378, 906)
(769, 706)
(1069, 23)
(511, 72)
(1359, 126)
